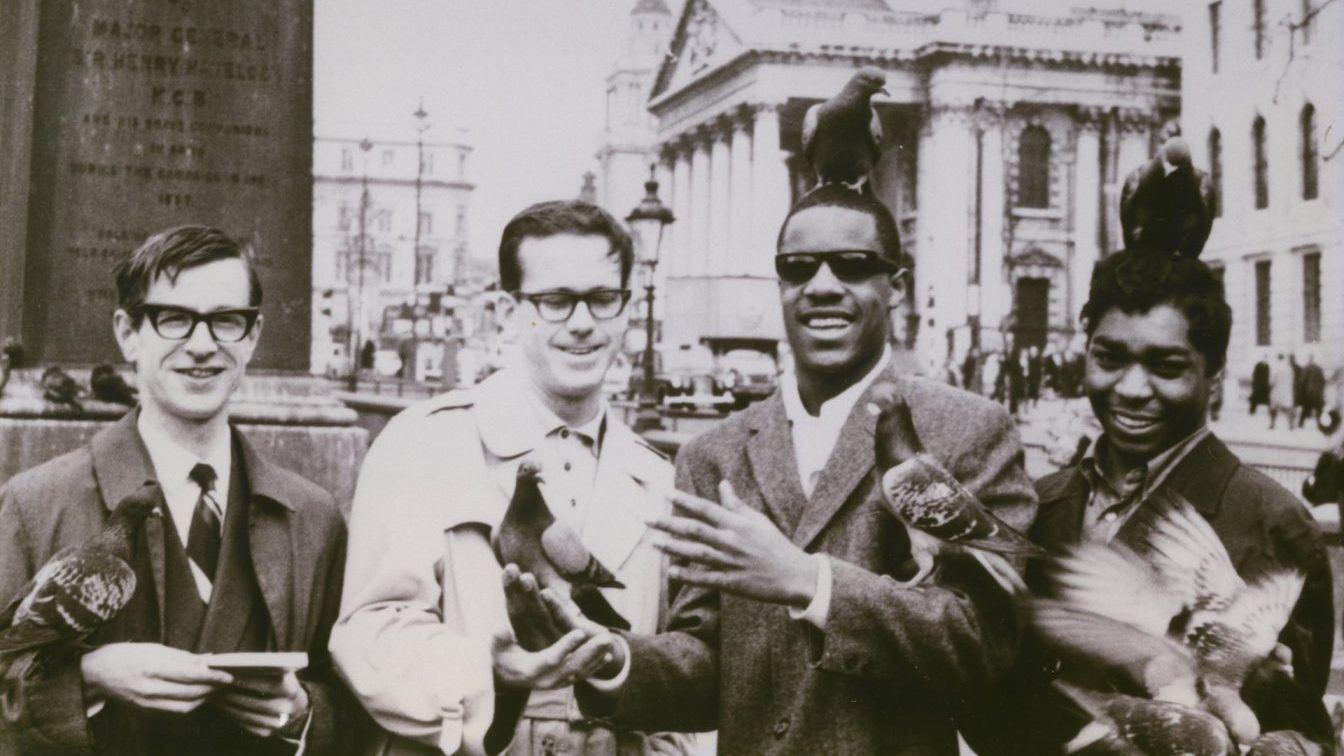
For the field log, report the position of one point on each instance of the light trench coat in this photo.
(423, 595)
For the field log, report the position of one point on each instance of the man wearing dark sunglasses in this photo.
(239, 555)
(790, 631)
(441, 644)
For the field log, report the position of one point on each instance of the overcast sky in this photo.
(524, 78)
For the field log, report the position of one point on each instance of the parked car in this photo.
(683, 377)
(747, 375)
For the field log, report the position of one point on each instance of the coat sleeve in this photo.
(959, 631)
(673, 682)
(1281, 701)
(404, 642)
(42, 698)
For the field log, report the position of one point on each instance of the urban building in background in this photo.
(390, 252)
(1260, 102)
(1010, 127)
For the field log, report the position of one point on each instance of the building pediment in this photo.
(703, 40)
(1035, 257)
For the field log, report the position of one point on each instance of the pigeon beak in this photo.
(883, 91)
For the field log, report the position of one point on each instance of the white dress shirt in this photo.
(172, 467)
(814, 438)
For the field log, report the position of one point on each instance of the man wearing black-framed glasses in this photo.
(238, 555)
(428, 637)
(790, 631)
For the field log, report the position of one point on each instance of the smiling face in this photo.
(566, 361)
(837, 329)
(189, 380)
(1148, 385)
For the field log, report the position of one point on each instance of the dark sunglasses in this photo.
(850, 266)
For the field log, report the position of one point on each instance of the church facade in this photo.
(1009, 130)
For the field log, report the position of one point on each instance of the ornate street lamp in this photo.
(648, 221)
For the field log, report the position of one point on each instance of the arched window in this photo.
(1261, 166)
(1033, 168)
(1216, 170)
(1309, 156)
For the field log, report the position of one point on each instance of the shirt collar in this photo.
(1153, 472)
(838, 405)
(173, 462)
(548, 422)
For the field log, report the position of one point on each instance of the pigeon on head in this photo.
(1167, 205)
(842, 137)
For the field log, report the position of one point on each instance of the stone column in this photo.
(699, 206)
(1087, 198)
(681, 208)
(946, 188)
(719, 170)
(769, 188)
(996, 298)
(739, 196)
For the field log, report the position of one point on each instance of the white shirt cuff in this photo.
(613, 684)
(819, 610)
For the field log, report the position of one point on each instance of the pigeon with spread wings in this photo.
(1174, 616)
(938, 511)
(531, 537)
(80, 587)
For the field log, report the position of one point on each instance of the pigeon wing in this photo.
(573, 560)
(1162, 728)
(810, 129)
(71, 598)
(1114, 582)
(1153, 663)
(925, 496)
(1182, 547)
(595, 606)
(1239, 637)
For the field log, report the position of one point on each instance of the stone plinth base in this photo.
(292, 419)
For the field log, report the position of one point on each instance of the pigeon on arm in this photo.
(937, 510)
(842, 137)
(79, 588)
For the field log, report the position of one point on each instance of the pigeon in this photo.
(12, 352)
(1125, 725)
(1173, 616)
(532, 538)
(108, 386)
(60, 389)
(937, 510)
(842, 137)
(1167, 205)
(80, 587)
(1284, 743)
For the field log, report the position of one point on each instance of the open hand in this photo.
(735, 548)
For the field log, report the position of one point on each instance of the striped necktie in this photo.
(203, 540)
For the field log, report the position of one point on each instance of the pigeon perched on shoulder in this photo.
(531, 537)
(80, 587)
(108, 386)
(1173, 616)
(940, 514)
(1167, 205)
(59, 388)
(842, 137)
(1125, 725)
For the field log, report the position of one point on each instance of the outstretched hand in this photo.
(736, 549)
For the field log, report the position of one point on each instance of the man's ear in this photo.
(900, 281)
(127, 335)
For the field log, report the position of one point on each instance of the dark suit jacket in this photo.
(887, 673)
(297, 544)
(1263, 527)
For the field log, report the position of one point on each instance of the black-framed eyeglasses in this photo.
(850, 266)
(178, 323)
(558, 306)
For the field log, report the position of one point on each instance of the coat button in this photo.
(564, 433)
(1051, 667)
(782, 727)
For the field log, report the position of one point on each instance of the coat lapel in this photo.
(850, 462)
(270, 540)
(774, 465)
(614, 523)
(121, 466)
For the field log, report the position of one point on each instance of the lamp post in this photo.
(356, 311)
(648, 221)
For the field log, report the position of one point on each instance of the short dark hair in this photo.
(839, 195)
(172, 251)
(1137, 281)
(561, 217)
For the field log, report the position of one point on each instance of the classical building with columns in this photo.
(1260, 94)
(1010, 126)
